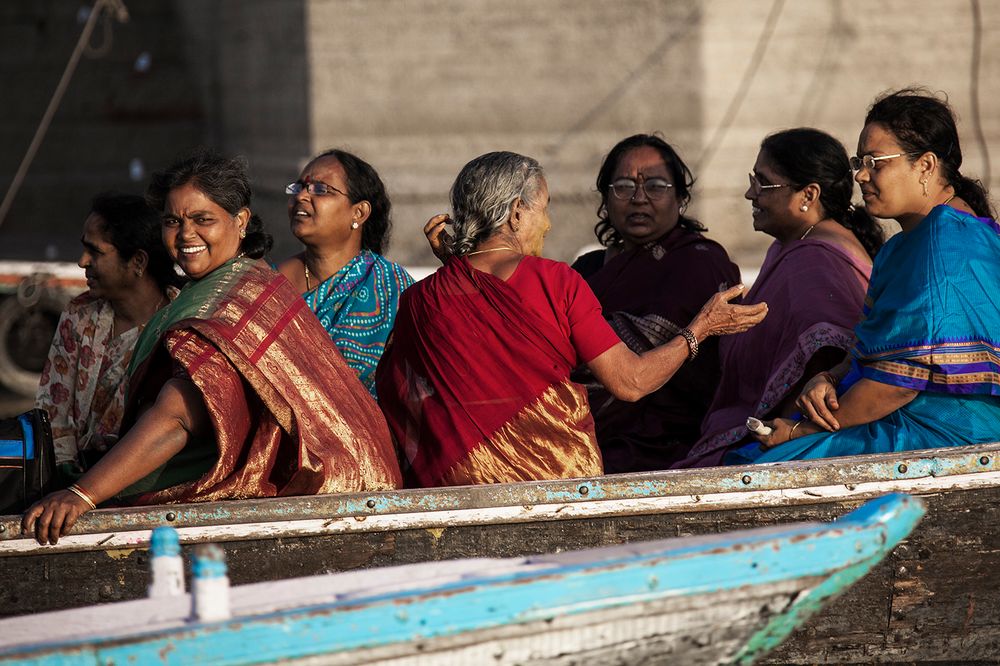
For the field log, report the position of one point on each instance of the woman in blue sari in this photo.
(339, 209)
(925, 370)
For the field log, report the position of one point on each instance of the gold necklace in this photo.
(308, 288)
(492, 249)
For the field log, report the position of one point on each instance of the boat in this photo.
(717, 599)
(932, 599)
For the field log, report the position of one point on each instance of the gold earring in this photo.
(924, 183)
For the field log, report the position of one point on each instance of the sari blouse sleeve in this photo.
(590, 332)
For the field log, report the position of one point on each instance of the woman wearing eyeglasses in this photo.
(339, 209)
(813, 279)
(924, 370)
(475, 383)
(653, 277)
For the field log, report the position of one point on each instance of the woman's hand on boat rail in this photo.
(53, 516)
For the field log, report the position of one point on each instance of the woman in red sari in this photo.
(475, 381)
(235, 390)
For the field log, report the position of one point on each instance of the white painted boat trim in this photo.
(438, 521)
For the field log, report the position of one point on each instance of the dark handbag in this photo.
(27, 460)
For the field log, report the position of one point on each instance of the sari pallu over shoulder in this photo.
(814, 291)
(932, 315)
(475, 385)
(287, 420)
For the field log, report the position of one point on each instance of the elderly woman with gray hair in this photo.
(475, 380)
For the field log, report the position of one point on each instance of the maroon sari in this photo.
(648, 295)
(475, 379)
(289, 416)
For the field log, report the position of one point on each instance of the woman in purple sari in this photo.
(813, 279)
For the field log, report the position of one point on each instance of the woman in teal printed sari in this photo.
(925, 371)
(339, 209)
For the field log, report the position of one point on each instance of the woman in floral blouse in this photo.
(129, 277)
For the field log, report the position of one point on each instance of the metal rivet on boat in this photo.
(370, 504)
(584, 490)
(746, 479)
(902, 468)
(985, 460)
(171, 517)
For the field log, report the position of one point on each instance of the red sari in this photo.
(290, 417)
(475, 379)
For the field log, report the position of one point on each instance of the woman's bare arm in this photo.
(630, 376)
(177, 416)
(866, 401)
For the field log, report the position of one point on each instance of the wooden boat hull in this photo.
(697, 600)
(932, 599)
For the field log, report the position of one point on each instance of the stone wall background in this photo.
(419, 87)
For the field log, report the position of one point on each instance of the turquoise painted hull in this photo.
(783, 575)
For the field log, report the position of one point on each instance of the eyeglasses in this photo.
(868, 161)
(313, 187)
(757, 187)
(626, 188)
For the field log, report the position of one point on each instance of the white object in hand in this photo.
(757, 426)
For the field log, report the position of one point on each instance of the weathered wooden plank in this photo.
(953, 554)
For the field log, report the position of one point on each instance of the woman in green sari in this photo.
(235, 390)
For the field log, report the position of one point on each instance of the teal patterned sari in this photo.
(931, 323)
(357, 307)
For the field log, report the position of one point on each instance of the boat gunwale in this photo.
(852, 478)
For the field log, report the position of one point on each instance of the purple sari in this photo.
(814, 291)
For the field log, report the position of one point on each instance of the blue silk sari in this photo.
(357, 306)
(931, 323)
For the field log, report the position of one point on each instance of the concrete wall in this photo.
(419, 87)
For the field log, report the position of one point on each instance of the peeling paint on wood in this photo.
(955, 550)
(700, 600)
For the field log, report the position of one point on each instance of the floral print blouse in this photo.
(83, 382)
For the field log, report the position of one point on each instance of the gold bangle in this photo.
(82, 494)
(791, 432)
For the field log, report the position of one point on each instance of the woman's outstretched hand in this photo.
(720, 317)
(818, 401)
(438, 236)
(53, 516)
